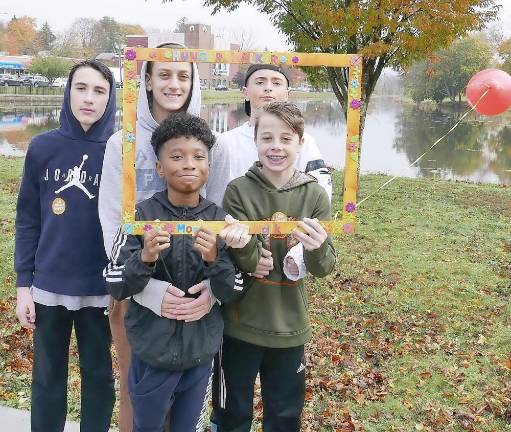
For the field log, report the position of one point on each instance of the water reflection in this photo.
(395, 135)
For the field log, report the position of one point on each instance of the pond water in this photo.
(395, 134)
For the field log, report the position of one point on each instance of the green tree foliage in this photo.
(239, 79)
(453, 67)
(109, 35)
(446, 73)
(505, 52)
(49, 67)
(386, 32)
(46, 37)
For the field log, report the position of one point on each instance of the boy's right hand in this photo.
(235, 234)
(25, 308)
(154, 242)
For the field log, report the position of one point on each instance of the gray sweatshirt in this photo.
(147, 180)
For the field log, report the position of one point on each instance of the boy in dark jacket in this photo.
(171, 361)
(265, 331)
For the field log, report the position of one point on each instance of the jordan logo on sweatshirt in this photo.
(74, 179)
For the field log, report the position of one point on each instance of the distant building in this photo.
(196, 36)
(199, 36)
(139, 41)
(14, 64)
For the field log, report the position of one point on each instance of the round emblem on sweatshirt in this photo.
(58, 206)
(279, 217)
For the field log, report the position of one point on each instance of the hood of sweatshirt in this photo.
(99, 131)
(299, 178)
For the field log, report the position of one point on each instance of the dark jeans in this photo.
(282, 376)
(50, 369)
(154, 391)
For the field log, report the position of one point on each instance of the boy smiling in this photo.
(265, 331)
(171, 359)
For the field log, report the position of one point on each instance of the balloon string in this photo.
(429, 149)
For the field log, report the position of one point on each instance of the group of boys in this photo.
(178, 301)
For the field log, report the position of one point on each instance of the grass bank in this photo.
(411, 332)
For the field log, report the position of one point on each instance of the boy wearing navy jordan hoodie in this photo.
(59, 255)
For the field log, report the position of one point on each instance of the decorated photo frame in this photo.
(346, 224)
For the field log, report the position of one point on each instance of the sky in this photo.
(60, 14)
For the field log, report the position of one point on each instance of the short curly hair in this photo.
(181, 124)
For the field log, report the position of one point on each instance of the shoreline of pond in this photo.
(49, 100)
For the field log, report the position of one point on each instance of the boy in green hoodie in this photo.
(266, 330)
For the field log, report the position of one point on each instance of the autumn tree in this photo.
(3, 28)
(386, 32)
(131, 29)
(20, 36)
(46, 37)
(49, 67)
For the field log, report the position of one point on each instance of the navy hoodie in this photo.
(59, 243)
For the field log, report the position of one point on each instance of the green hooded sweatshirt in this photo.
(273, 311)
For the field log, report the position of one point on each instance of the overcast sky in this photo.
(152, 13)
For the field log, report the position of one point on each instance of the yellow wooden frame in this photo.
(348, 221)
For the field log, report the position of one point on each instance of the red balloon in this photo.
(498, 98)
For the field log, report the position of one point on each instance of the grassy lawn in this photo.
(411, 332)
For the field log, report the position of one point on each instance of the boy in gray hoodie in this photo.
(165, 87)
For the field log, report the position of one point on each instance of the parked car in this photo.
(9, 80)
(59, 82)
(221, 88)
(35, 81)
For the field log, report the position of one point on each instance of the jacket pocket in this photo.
(272, 310)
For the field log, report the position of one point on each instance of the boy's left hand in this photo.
(176, 306)
(205, 244)
(313, 234)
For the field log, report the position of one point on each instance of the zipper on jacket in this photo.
(184, 254)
